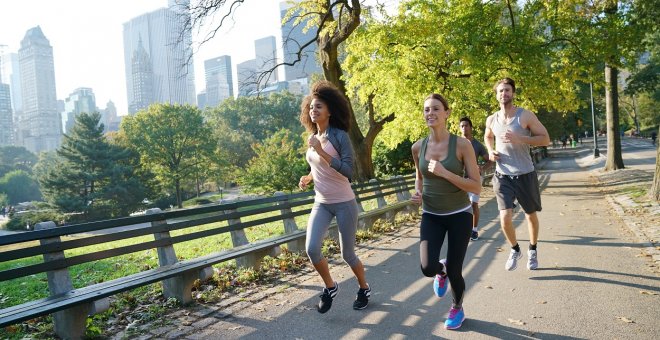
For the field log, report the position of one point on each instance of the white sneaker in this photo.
(512, 262)
(532, 261)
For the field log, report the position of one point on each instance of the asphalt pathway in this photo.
(592, 282)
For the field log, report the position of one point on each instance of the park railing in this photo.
(53, 250)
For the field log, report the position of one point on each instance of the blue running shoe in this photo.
(455, 319)
(440, 283)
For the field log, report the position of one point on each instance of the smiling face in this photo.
(435, 112)
(318, 111)
(504, 94)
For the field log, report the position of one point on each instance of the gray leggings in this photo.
(318, 223)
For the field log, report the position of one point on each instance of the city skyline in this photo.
(93, 57)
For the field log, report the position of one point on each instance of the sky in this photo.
(87, 39)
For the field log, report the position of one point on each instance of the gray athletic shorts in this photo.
(524, 188)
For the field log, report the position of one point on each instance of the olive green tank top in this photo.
(439, 196)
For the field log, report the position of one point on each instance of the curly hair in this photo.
(334, 99)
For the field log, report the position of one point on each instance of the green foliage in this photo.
(16, 158)
(239, 123)
(278, 164)
(26, 220)
(389, 162)
(173, 142)
(19, 186)
(89, 176)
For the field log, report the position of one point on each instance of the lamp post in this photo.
(593, 121)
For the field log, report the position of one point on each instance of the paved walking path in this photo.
(593, 282)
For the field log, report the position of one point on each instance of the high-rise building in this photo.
(247, 77)
(39, 125)
(158, 58)
(266, 58)
(11, 75)
(219, 82)
(6, 116)
(292, 39)
(109, 117)
(79, 101)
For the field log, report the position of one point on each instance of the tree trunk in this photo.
(614, 160)
(655, 189)
(179, 200)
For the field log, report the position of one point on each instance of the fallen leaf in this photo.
(536, 317)
(489, 287)
(625, 319)
(561, 214)
(516, 322)
(499, 249)
(234, 328)
(542, 302)
(648, 293)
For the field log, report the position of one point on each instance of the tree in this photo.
(90, 176)
(172, 140)
(277, 165)
(19, 186)
(458, 49)
(16, 158)
(239, 123)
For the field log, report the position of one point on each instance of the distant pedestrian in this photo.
(325, 114)
(513, 130)
(654, 136)
(465, 125)
(440, 161)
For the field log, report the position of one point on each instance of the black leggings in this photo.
(458, 228)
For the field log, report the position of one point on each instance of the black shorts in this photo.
(524, 188)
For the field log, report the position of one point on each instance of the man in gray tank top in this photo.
(509, 134)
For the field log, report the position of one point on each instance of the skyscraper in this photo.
(6, 116)
(79, 101)
(11, 75)
(39, 125)
(292, 39)
(266, 59)
(219, 82)
(158, 58)
(247, 77)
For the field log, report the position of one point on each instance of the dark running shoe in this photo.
(474, 236)
(326, 298)
(362, 299)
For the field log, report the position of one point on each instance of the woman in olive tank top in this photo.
(442, 191)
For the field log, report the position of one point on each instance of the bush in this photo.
(20, 221)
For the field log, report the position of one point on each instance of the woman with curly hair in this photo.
(325, 114)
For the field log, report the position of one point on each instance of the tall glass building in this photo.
(39, 125)
(219, 80)
(292, 39)
(158, 58)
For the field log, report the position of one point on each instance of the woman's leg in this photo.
(458, 238)
(347, 218)
(431, 236)
(317, 226)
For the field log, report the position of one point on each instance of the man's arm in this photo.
(489, 140)
(540, 136)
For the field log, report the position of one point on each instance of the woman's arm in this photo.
(417, 197)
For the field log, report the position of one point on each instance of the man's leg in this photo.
(533, 227)
(506, 221)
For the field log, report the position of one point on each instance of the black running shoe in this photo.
(362, 299)
(326, 298)
(474, 236)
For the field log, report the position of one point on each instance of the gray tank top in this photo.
(514, 158)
